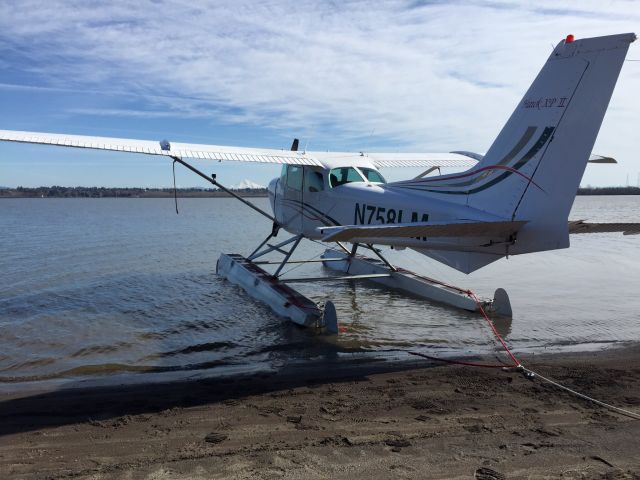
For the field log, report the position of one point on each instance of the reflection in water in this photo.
(503, 325)
(356, 312)
(94, 288)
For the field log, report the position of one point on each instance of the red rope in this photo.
(516, 362)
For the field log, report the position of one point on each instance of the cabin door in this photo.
(292, 203)
(312, 196)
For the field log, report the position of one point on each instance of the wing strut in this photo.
(212, 180)
(175, 190)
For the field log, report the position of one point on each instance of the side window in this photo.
(313, 181)
(342, 175)
(283, 174)
(294, 177)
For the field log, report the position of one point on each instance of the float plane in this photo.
(513, 200)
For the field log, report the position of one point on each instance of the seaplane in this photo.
(513, 200)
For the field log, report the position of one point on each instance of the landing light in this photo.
(570, 38)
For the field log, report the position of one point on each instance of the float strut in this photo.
(271, 248)
(286, 257)
(262, 244)
(379, 255)
(344, 249)
(352, 254)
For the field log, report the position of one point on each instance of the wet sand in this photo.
(373, 421)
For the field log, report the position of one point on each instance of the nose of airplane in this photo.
(271, 188)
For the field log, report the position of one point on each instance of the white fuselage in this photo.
(304, 199)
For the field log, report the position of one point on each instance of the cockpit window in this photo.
(372, 175)
(342, 175)
(294, 177)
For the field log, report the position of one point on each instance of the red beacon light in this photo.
(570, 38)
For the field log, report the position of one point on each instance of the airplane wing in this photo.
(580, 226)
(240, 154)
(148, 147)
(421, 229)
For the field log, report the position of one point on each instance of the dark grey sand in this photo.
(372, 421)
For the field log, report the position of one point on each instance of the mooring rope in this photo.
(530, 374)
(619, 410)
(517, 364)
(473, 296)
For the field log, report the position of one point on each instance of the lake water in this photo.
(104, 290)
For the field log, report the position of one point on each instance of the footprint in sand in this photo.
(484, 473)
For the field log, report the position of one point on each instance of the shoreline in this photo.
(352, 362)
(196, 192)
(242, 194)
(143, 196)
(370, 420)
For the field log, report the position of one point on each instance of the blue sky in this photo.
(405, 75)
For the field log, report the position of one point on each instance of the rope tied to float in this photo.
(516, 363)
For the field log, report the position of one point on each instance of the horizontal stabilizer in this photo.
(592, 159)
(580, 226)
(601, 159)
(476, 156)
(421, 229)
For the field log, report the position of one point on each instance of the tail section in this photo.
(534, 167)
(593, 64)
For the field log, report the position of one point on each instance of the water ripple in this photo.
(102, 288)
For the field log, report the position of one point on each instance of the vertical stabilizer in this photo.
(548, 197)
(533, 169)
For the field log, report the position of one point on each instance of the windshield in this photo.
(372, 175)
(342, 175)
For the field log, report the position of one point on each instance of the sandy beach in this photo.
(373, 421)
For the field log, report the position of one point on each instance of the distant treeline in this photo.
(104, 192)
(609, 191)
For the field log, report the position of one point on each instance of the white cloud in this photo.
(424, 75)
